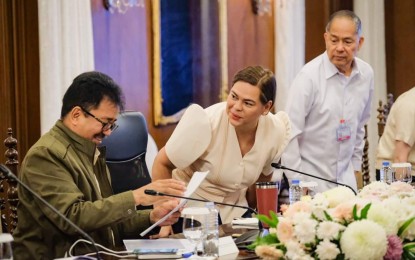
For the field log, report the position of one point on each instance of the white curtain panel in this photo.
(290, 44)
(289, 49)
(66, 50)
(371, 13)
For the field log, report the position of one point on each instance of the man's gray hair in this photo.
(348, 14)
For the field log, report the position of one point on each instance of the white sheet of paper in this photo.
(227, 246)
(194, 183)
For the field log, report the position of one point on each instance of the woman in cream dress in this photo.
(236, 141)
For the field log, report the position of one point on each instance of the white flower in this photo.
(300, 217)
(305, 231)
(320, 200)
(338, 195)
(364, 239)
(387, 219)
(294, 250)
(376, 190)
(327, 250)
(329, 230)
(395, 205)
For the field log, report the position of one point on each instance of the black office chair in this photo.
(125, 153)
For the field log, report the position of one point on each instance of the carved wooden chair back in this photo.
(365, 163)
(8, 187)
(383, 112)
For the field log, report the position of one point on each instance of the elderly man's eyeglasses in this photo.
(105, 126)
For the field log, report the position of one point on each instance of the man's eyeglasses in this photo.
(105, 126)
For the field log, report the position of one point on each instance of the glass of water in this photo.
(402, 172)
(194, 221)
(6, 240)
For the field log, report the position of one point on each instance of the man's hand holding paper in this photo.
(194, 183)
(163, 209)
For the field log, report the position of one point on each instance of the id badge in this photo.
(343, 132)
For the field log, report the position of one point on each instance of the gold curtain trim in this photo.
(223, 34)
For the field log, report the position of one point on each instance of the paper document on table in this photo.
(248, 223)
(194, 183)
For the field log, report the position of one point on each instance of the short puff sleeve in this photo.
(283, 125)
(191, 137)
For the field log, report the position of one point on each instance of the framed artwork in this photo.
(187, 60)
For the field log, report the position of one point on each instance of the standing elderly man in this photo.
(68, 170)
(329, 104)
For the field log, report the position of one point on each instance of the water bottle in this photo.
(211, 243)
(386, 173)
(295, 191)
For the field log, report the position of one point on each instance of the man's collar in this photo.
(79, 142)
(330, 70)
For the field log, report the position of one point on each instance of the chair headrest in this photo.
(130, 138)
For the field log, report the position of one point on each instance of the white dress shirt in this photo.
(319, 97)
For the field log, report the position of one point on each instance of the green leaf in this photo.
(270, 240)
(363, 214)
(274, 217)
(265, 219)
(328, 217)
(409, 246)
(408, 255)
(365, 210)
(405, 225)
(355, 217)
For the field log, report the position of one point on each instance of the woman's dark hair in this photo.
(264, 79)
(89, 89)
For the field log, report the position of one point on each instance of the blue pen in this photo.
(187, 255)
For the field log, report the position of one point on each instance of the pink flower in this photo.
(285, 230)
(268, 252)
(284, 207)
(299, 206)
(395, 250)
(343, 211)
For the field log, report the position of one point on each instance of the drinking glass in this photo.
(267, 198)
(402, 172)
(6, 240)
(194, 221)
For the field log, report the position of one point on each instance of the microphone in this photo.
(279, 166)
(156, 193)
(9, 174)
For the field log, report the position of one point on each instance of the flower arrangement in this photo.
(378, 223)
